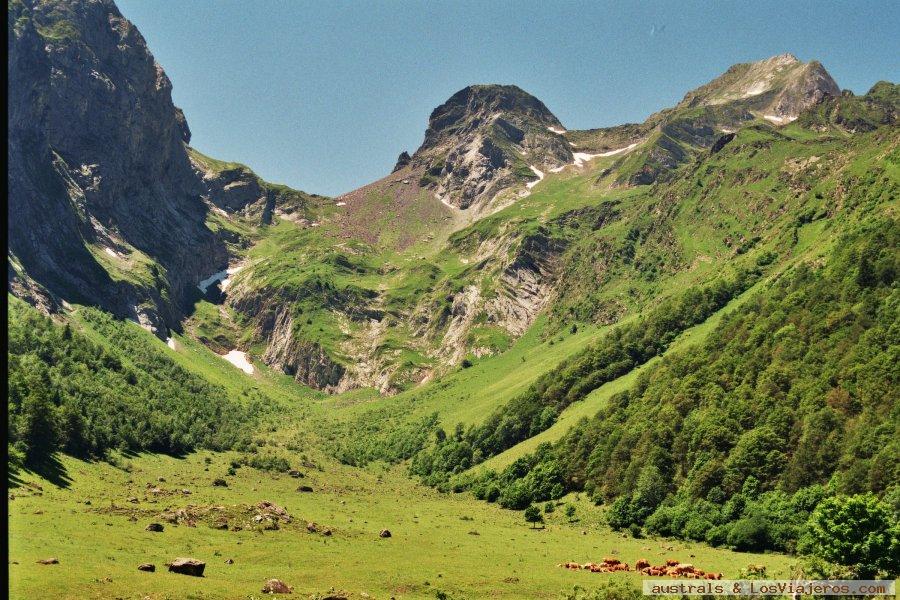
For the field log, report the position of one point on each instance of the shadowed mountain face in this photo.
(108, 205)
(105, 207)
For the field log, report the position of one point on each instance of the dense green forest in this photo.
(67, 392)
(791, 400)
(625, 348)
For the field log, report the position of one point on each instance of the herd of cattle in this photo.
(673, 568)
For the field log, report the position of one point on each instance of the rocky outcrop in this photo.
(104, 206)
(809, 87)
(306, 361)
(276, 586)
(525, 271)
(526, 283)
(233, 189)
(402, 161)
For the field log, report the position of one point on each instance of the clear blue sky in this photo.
(323, 95)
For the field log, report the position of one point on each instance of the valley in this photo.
(675, 339)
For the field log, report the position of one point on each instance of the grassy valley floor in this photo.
(440, 544)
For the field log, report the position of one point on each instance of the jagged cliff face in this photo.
(105, 207)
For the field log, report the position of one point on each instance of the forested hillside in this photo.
(793, 398)
(70, 393)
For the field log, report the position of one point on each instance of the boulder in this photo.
(384, 533)
(295, 474)
(157, 527)
(188, 566)
(147, 567)
(326, 532)
(312, 527)
(220, 482)
(48, 561)
(304, 488)
(276, 586)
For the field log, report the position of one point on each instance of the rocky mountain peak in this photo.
(477, 105)
(779, 88)
(486, 139)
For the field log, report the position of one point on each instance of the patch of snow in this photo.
(540, 178)
(619, 151)
(218, 210)
(171, 343)
(773, 118)
(111, 252)
(555, 130)
(573, 144)
(557, 169)
(239, 359)
(340, 204)
(582, 157)
(230, 271)
(211, 280)
(727, 130)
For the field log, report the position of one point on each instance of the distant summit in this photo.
(780, 87)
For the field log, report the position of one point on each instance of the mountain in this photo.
(483, 147)
(451, 257)
(685, 327)
(776, 90)
(107, 206)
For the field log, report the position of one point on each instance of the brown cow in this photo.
(642, 563)
(611, 561)
(671, 562)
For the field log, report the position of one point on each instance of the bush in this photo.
(859, 532)
(749, 534)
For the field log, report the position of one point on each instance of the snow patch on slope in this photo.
(555, 130)
(230, 271)
(239, 359)
(619, 151)
(212, 279)
(539, 174)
